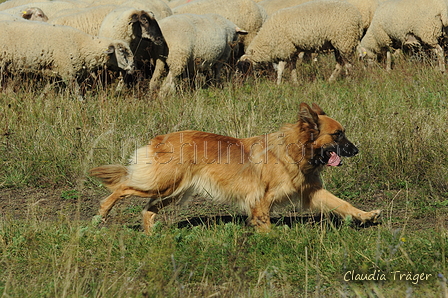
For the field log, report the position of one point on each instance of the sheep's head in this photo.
(34, 14)
(245, 65)
(150, 28)
(121, 57)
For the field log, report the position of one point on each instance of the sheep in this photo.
(399, 23)
(175, 3)
(117, 22)
(365, 7)
(31, 14)
(195, 43)
(51, 8)
(34, 14)
(15, 3)
(87, 19)
(126, 23)
(159, 8)
(59, 51)
(310, 27)
(246, 14)
(272, 6)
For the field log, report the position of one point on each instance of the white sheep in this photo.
(272, 6)
(309, 27)
(159, 8)
(246, 14)
(59, 51)
(51, 8)
(195, 43)
(88, 19)
(398, 23)
(366, 7)
(31, 14)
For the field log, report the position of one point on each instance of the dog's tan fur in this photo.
(254, 172)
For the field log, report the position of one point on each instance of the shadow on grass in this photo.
(279, 221)
(290, 221)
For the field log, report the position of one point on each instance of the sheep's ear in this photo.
(318, 109)
(308, 115)
(240, 31)
(110, 50)
(134, 18)
(147, 17)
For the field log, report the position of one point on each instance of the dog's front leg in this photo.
(324, 201)
(259, 217)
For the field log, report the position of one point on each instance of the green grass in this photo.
(66, 259)
(398, 120)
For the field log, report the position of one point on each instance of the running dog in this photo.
(255, 173)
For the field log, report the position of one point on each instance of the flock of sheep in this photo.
(161, 40)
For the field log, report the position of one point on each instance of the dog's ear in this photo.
(318, 109)
(308, 115)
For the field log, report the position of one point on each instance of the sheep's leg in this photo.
(158, 73)
(388, 61)
(440, 57)
(280, 69)
(169, 85)
(296, 59)
(120, 84)
(340, 63)
(217, 72)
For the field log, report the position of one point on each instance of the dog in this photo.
(255, 173)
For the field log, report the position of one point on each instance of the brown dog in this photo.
(255, 172)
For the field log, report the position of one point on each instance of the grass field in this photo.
(52, 246)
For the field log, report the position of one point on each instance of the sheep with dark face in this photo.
(59, 51)
(119, 22)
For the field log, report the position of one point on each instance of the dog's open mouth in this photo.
(334, 160)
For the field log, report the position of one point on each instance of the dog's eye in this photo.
(338, 134)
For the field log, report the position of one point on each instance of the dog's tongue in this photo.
(334, 160)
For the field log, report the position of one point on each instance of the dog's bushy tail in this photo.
(110, 175)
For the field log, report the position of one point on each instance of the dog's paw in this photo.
(371, 217)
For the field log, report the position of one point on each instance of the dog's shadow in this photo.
(290, 221)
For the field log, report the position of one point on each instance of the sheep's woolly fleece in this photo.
(63, 52)
(246, 14)
(307, 27)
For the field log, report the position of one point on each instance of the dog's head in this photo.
(327, 137)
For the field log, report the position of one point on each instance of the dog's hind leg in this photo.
(122, 192)
(324, 201)
(150, 211)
